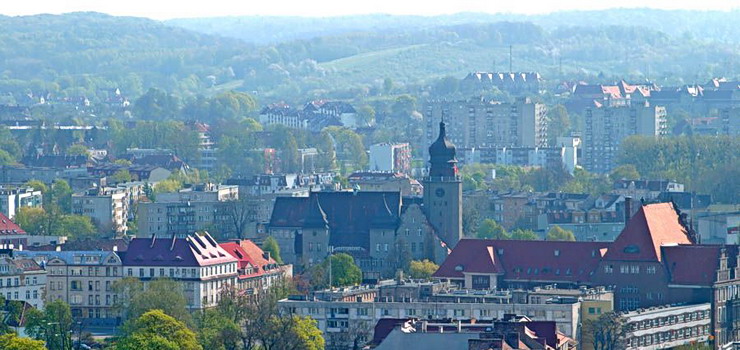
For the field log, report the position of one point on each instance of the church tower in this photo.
(443, 190)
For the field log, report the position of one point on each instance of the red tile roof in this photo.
(653, 226)
(193, 251)
(8, 227)
(524, 260)
(249, 255)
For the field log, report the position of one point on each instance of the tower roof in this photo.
(442, 146)
(442, 155)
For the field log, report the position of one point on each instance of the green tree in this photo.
(217, 331)
(120, 176)
(13, 342)
(626, 172)
(556, 233)
(423, 269)
(37, 186)
(387, 85)
(270, 245)
(524, 235)
(344, 271)
(160, 294)
(77, 150)
(492, 230)
(167, 186)
(559, 124)
(366, 115)
(156, 104)
(606, 332)
(6, 158)
(59, 196)
(157, 330)
(306, 333)
(53, 325)
(77, 227)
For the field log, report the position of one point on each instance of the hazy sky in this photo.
(165, 9)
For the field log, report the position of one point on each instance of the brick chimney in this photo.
(627, 208)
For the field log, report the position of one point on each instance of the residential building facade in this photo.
(198, 208)
(22, 279)
(14, 198)
(196, 262)
(606, 127)
(84, 280)
(481, 124)
(390, 157)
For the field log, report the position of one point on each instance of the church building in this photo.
(383, 231)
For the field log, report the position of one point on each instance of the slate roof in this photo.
(167, 161)
(653, 226)
(524, 260)
(695, 264)
(195, 250)
(349, 214)
(55, 161)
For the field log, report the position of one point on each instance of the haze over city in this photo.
(369, 175)
(190, 9)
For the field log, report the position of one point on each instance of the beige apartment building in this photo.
(606, 127)
(84, 280)
(480, 124)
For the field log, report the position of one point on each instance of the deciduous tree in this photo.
(423, 269)
(557, 233)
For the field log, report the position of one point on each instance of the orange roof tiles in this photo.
(8, 227)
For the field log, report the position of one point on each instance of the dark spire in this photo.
(442, 155)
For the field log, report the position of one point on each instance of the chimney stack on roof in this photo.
(627, 208)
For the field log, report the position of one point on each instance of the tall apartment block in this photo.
(390, 157)
(606, 127)
(479, 123)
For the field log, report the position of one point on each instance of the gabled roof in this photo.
(248, 254)
(349, 214)
(524, 260)
(195, 250)
(653, 226)
(55, 161)
(695, 264)
(8, 227)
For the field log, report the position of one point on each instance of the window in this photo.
(624, 269)
(608, 268)
(385, 247)
(650, 270)
(635, 269)
(377, 247)
(557, 252)
(481, 282)
(362, 311)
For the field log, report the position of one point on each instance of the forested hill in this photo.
(92, 50)
(80, 54)
(711, 25)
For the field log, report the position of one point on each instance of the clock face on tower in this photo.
(440, 192)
